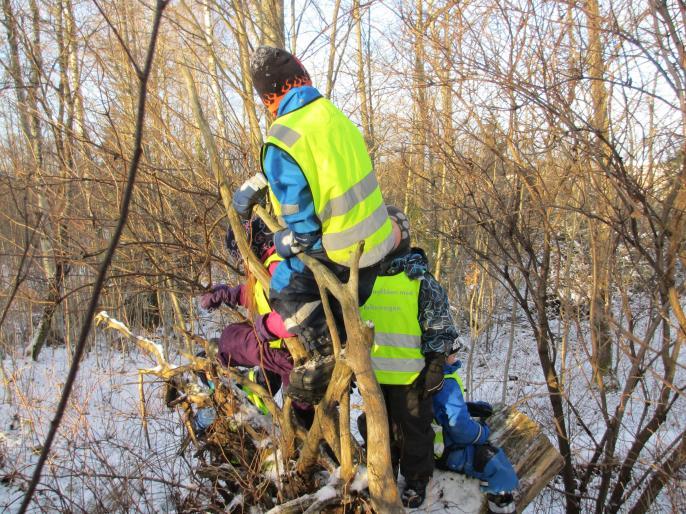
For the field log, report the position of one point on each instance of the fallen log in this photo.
(534, 458)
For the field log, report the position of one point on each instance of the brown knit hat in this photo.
(274, 72)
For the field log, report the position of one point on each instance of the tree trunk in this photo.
(508, 356)
(665, 473)
(555, 392)
(419, 105)
(241, 35)
(272, 23)
(365, 108)
(603, 254)
(332, 50)
(448, 131)
(213, 65)
(31, 125)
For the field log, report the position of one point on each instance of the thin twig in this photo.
(144, 419)
(20, 277)
(139, 72)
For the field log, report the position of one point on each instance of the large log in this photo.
(534, 458)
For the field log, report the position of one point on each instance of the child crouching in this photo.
(467, 449)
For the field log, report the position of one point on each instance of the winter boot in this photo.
(414, 493)
(309, 381)
(501, 503)
(320, 344)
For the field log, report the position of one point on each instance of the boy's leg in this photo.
(491, 467)
(494, 469)
(294, 294)
(394, 431)
(413, 417)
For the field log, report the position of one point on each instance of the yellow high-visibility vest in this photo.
(457, 378)
(393, 307)
(332, 155)
(262, 300)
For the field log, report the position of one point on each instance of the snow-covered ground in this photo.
(102, 460)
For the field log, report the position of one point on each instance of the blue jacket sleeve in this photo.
(289, 185)
(450, 410)
(438, 329)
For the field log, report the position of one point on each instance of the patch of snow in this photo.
(361, 480)
(452, 492)
(326, 493)
(237, 500)
(101, 458)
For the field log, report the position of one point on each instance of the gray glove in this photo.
(250, 194)
(286, 244)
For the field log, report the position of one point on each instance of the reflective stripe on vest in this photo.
(393, 307)
(332, 154)
(438, 439)
(262, 301)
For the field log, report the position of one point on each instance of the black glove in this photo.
(249, 194)
(480, 409)
(430, 379)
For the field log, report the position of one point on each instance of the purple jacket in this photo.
(242, 344)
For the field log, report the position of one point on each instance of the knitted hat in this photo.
(401, 230)
(259, 237)
(274, 72)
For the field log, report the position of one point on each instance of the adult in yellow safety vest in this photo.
(413, 332)
(322, 186)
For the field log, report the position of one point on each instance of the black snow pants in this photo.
(412, 437)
